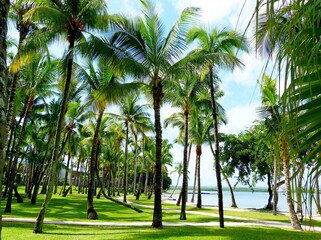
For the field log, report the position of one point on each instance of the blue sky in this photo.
(242, 96)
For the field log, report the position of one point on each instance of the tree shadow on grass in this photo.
(177, 233)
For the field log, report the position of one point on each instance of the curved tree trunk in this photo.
(13, 172)
(185, 168)
(54, 160)
(4, 9)
(157, 98)
(91, 213)
(179, 176)
(216, 151)
(23, 31)
(285, 159)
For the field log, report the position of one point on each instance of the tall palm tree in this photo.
(3, 84)
(105, 88)
(282, 30)
(271, 113)
(200, 126)
(182, 94)
(143, 48)
(67, 19)
(135, 117)
(217, 48)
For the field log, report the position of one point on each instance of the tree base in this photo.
(92, 214)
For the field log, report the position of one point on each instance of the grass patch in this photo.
(18, 231)
(73, 208)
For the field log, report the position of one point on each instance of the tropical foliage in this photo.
(90, 119)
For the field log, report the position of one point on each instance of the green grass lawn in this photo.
(17, 231)
(73, 208)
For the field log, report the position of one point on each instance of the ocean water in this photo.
(255, 200)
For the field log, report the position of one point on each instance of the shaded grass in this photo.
(17, 231)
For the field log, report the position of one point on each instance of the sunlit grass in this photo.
(73, 208)
(19, 231)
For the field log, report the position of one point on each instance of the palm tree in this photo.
(143, 49)
(217, 49)
(179, 170)
(105, 88)
(200, 126)
(182, 94)
(135, 117)
(25, 27)
(281, 31)
(271, 113)
(3, 84)
(68, 19)
(36, 77)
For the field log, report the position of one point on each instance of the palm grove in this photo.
(54, 111)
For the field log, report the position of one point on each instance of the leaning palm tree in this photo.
(281, 30)
(179, 170)
(35, 77)
(66, 19)
(270, 111)
(143, 48)
(217, 49)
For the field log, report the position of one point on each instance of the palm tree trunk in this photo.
(63, 189)
(126, 165)
(275, 187)
(317, 194)
(140, 180)
(146, 179)
(4, 9)
(285, 159)
(179, 176)
(157, 98)
(54, 160)
(269, 204)
(195, 180)
(188, 160)
(12, 175)
(199, 192)
(135, 173)
(299, 191)
(233, 204)
(13, 90)
(185, 168)
(216, 151)
(91, 213)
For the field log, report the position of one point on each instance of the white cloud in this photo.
(248, 75)
(222, 13)
(240, 118)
